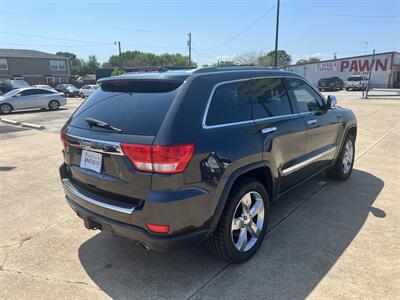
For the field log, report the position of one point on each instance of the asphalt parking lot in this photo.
(326, 239)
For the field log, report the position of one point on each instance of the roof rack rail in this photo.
(234, 68)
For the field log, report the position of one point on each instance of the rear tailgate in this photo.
(93, 155)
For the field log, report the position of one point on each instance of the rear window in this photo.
(139, 111)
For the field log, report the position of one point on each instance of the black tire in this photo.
(6, 108)
(347, 89)
(338, 171)
(81, 95)
(221, 242)
(54, 105)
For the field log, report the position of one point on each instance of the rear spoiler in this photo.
(141, 84)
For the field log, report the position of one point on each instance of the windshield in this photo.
(357, 78)
(19, 83)
(11, 93)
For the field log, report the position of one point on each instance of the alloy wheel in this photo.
(348, 157)
(248, 221)
(5, 109)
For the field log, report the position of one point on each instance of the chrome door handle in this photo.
(268, 129)
(312, 121)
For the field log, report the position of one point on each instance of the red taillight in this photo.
(159, 159)
(61, 94)
(158, 228)
(63, 137)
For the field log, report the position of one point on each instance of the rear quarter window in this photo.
(230, 103)
(137, 113)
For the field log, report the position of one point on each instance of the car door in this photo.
(322, 125)
(23, 99)
(43, 98)
(282, 132)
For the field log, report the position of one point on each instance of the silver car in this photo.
(29, 98)
(87, 90)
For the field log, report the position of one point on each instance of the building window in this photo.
(3, 64)
(57, 65)
(61, 80)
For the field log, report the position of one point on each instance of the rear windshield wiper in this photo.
(93, 122)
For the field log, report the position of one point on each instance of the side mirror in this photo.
(331, 101)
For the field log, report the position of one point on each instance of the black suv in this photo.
(330, 84)
(178, 158)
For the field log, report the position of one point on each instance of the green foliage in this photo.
(310, 60)
(117, 72)
(133, 59)
(259, 58)
(79, 66)
(283, 58)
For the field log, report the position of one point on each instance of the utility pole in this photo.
(120, 57)
(189, 43)
(276, 35)
(334, 55)
(369, 75)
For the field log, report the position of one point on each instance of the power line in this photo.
(49, 37)
(87, 43)
(46, 45)
(240, 33)
(93, 24)
(345, 15)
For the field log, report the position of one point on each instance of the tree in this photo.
(134, 59)
(259, 58)
(117, 72)
(92, 64)
(283, 58)
(248, 58)
(310, 60)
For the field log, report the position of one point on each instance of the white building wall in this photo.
(346, 67)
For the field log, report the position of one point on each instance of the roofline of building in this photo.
(328, 60)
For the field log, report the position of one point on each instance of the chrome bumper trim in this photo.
(68, 186)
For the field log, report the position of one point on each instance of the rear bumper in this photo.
(184, 211)
(159, 243)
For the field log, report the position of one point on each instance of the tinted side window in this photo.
(230, 103)
(42, 91)
(28, 92)
(307, 98)
(271, 98)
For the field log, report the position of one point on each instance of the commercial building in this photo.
(33, 66)
(385, 71)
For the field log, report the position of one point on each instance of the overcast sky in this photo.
(220, 29)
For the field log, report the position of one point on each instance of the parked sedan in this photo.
(30, 98)
(68, 89)
(87, 90)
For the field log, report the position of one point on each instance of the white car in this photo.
(29, 98)
(356, 83)
(44, 86)
(87, 90)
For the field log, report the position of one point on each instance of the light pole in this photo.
(120, 57)
(276, 35)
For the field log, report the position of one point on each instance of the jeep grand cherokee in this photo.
(179, 158)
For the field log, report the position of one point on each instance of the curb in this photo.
(33, 126)
(10, 121)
